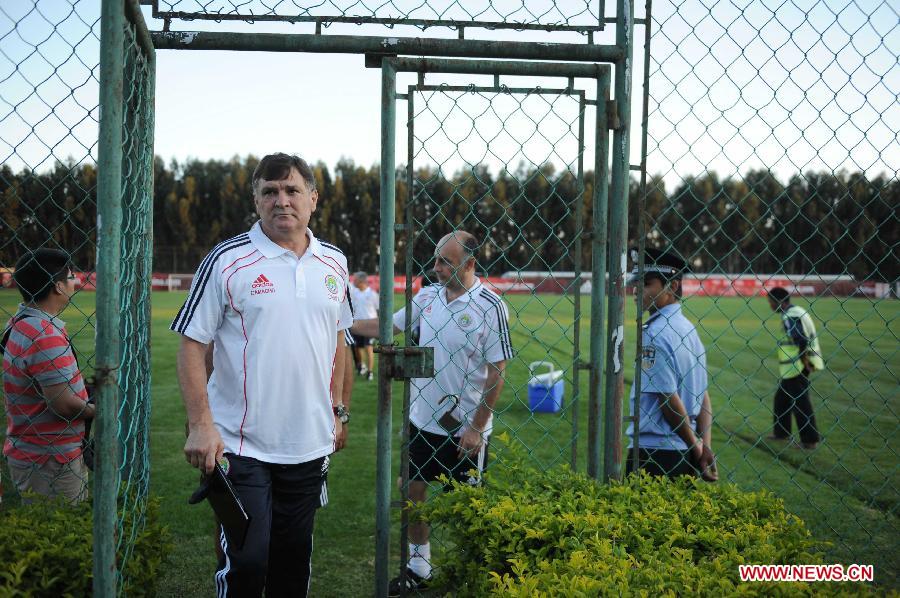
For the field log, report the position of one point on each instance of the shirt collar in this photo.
(467, 296)
(665, 312)
(24, 310)
(270, 249)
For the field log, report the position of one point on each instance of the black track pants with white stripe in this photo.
(282, 502)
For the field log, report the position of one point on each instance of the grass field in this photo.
(846, 490)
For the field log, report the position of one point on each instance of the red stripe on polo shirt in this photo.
(50, 433)
(338, 264)
(10, 388)
(237, 260)
(12, 452)
(339, 271)
(41, 340)
(246, 339)
(51, 365)
(22, 326)
(33, 409)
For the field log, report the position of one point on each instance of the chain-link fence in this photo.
(48, 179)
(773, 160)
(50, 183)
(770, 159)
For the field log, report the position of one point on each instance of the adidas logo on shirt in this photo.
(262, 285)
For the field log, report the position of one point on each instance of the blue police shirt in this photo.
(673, 361)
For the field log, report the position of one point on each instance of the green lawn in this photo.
(846, 491)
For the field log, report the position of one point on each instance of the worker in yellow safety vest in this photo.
(799, 355)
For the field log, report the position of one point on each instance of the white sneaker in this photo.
(363, 370)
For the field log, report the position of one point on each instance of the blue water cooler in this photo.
(545, 390)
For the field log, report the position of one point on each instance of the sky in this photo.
(734, 85)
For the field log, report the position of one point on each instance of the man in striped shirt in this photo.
(46, 400)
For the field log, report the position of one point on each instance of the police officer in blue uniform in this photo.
(675, 426)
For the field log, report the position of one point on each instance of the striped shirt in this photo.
(38, 354)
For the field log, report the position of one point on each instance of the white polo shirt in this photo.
(274, 319)
(365, 303)
(467, 334)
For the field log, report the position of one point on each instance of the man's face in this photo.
(66, 287)
(450, 261)
(655, 294)
(361, 283)
(772, 303)
(285, 206)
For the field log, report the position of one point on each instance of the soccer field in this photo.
(846, 490)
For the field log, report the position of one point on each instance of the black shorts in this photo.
(362, 341)
(663, 462)
(433, 455)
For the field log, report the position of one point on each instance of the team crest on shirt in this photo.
(648, 357)
(331, 285)
(465, 321)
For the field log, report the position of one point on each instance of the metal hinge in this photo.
(408, 362)
(612, 115)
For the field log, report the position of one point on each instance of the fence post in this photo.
(386, 329)
(109, 227)
(618, 236)
(598, 272)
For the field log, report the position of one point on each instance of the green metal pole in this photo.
(598, 271)
(576, 285)
(410, 229)
(642, 237)
(109, 226)
(496, 67)
(361, 44)
(618, 237)
(385, 330)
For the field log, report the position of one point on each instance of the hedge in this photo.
(559, 533)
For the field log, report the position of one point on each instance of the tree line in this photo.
(815, 222)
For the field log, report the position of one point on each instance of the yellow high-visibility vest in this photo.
(789, 363)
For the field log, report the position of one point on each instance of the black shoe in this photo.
(414, 582)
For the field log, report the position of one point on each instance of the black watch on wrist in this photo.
(341, 412)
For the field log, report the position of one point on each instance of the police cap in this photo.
(663, 263)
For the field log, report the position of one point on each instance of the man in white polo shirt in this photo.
(451, 414)
(365, 307)
(274, 302)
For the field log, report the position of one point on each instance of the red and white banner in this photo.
(710, 285)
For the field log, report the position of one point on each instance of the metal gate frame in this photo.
(597, 235)
(608, 240)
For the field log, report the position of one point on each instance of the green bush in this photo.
(46, 549)
(559, 533)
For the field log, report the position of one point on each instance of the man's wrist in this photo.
(200, 423)
(697, 446)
